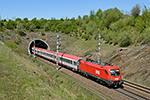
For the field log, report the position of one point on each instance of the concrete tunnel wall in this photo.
(38, 43)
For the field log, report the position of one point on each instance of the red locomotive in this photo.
(104, 72)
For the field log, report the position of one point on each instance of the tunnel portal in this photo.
(38, 43)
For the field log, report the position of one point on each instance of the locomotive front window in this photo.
(115, 72)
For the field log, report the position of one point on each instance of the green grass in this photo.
(21, 78)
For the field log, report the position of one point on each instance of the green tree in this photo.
(146, 16)
(1, 25)
(110, 16)
(67, 23)
(53, 28)
(140, 24)
(128, 20)
(74, 28)
(145, 36)
(25, 23)
(42, 33)
(79, 17)
(109, 36)
(118, 25)
(18, 20)
(63, 29)
(79, 22)
(91, 27)
(86, 19)
(33, 20)
(62, 19)
(68, 30)
(20, 28)
(10, 24)
(31, 27)
(72, 20)
(86, 36)
(136, 11)
(102, 25)
(37, 24)
(99, 14)
(124, 39)
(46, 27)
(59, 26)
(84, 25)
(26, 20)
(92, 15)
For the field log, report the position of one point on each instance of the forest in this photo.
(116, 27)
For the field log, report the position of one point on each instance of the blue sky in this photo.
(61, 8)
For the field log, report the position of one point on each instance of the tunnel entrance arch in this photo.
(38, 43)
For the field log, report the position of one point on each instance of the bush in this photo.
(140, 25)
(20, 29)
(145, 36)
(80, 34)
(86, 37)
(13, 46)
(125, 39)
(110, 36)
(17, 41)
(27, 37)
(116, 26)
(10, 24)
(91, 27)
(46, 27)
(42, 33)
(128, 20)
(43, 38)
(31, 27)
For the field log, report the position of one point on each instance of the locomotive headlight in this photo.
(110, 78)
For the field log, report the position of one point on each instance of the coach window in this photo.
(47, 54)
(75, 63)
(72, 62)
(67, 60)
(106, 72)
(50, 55)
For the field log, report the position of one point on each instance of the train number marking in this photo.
(97, 72)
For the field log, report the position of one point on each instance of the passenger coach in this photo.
(64, 59)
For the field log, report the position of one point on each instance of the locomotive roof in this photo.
(67, 56)
(103, 65)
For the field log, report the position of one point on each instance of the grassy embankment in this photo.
(21, 78)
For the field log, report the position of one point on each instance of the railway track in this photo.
(129, 90)
(135, 91)
(137, 86)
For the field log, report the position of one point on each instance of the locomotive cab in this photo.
(115, 77)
